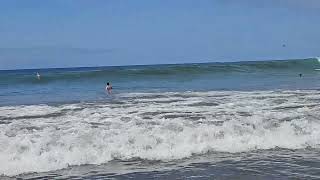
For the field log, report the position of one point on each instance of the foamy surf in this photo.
(155, 126)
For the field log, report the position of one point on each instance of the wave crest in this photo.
(155, 126)
(142, 72)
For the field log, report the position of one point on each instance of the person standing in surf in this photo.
(38, 76)
(109, 88)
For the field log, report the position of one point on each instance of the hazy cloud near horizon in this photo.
(53, 50)
(42, 57)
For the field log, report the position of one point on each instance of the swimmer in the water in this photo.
(38, 75)
(109, 88)
(300, 75)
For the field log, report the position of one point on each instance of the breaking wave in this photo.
(155, 126)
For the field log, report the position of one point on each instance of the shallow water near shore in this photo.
(275, 164)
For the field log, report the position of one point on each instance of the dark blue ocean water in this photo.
(241, 120)
(88, 84)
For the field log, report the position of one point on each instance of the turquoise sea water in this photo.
(241, 120)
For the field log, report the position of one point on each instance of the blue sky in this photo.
(68, 33)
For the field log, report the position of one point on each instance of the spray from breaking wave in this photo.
(155, 126)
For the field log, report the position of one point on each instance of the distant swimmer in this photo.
(109, 88)
(300, 75)
(283, 45)
(38, 75)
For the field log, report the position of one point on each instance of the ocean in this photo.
(233, 120)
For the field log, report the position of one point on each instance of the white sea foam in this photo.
(155, 127)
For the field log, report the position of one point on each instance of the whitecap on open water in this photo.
(219, 129)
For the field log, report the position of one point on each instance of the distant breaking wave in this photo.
(138, 72)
